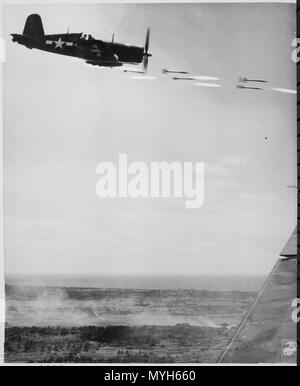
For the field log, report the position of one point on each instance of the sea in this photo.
(147, 282)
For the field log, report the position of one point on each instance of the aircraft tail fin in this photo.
(34, 27)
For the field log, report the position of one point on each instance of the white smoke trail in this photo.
(207, 84)
(284, 90)
(206, 78)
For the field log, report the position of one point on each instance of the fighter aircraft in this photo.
(248, 88)
(82, 46)
(165, 71)
(246, 80)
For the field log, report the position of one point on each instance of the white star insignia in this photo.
(59, 43)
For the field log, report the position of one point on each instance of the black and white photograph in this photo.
(150, 183)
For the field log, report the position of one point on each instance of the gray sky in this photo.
(62, 117)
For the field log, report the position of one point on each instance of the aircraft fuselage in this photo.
(82, 46)
(91, 50)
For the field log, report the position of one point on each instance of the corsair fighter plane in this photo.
(82, 46)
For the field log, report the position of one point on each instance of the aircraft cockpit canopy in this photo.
(87, 37)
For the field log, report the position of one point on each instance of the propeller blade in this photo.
(145, 63)
(147, 41)
(146, 53)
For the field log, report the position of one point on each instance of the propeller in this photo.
(146, 53)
